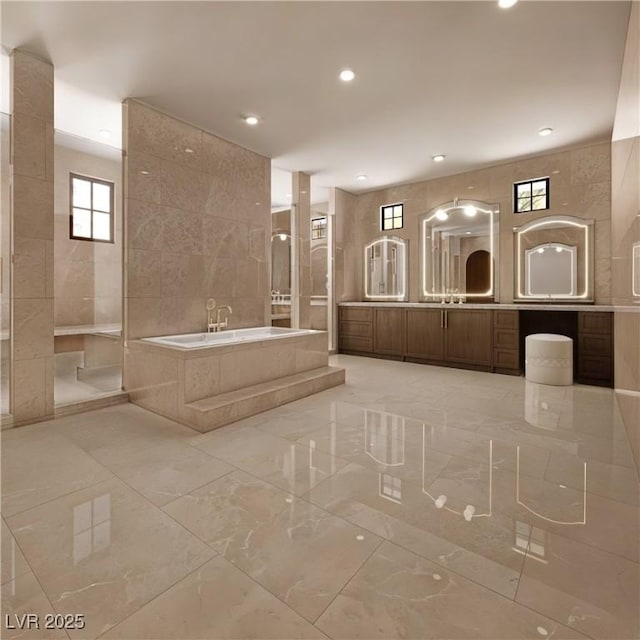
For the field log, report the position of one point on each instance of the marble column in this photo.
(301, 250)
(32, 237)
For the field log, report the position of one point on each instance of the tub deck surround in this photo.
(208, 380)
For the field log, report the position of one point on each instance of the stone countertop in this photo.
(543, 306)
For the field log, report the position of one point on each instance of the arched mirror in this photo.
(554, 259)
(459, 244)
(385, 274)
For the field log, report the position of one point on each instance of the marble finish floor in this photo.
(413, 502)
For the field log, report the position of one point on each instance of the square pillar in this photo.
(31, 238)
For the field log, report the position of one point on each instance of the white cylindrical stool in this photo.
(548, 359)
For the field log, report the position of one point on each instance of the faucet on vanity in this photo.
(218, 324)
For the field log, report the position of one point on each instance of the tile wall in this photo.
(88, 275)
(197, 223)
(580, 186)
(32, 229)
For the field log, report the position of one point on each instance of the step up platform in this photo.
(210, 413)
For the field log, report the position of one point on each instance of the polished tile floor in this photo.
(412, 502)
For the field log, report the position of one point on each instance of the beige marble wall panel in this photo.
(202, 203)
(627, 350)
(32, 90)
(145, 268)
(86, 272)
(32, 237)
(33, 323)
(151, 379)
(201, 378)
(629, 407)
(32, 207)
(579, 186)
(182, 275)
(29, 267)
(29, 389)
(244, 368)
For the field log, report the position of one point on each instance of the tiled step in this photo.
(216, 411)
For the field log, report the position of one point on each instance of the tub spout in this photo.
(222, 324)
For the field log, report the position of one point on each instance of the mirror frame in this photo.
(494, 242)
(587, 226)
(635, 270)
(402, 296)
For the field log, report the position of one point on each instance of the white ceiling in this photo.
(465, 79)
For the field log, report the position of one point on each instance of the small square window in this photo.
(92, 203)
(531, 195)
(391, 217)
(318, 228)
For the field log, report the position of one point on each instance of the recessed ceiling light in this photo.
(347, 75)
(252, 121)
(545, 132)
(506, 4)
(361, 177)
(438, 158)
(188, 150)
(144, 173)
(104, 133)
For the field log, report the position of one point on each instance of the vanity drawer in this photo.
(505, 339)
(353, 343)
(595, 345)
(505, 319)
(594, 368)
(506, 359)
(356, 314)
(356, 329)
(594, 322)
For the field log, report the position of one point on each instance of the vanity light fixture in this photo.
(252, 121)
(545, 131)
(347, 75)
(283, 236)
(506, 4)
(558, 249)
(438, 158)
(470, 211)
(104, 133)
(441, 214)
(541, 250)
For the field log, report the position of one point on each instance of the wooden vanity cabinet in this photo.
(424, 335)
(468, 337)
(388, 333)
(459, 337)
(355, 330)
(506, 341)
(595, 348)
(483, 339)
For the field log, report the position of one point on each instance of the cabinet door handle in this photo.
(441, 318)
(446, 319)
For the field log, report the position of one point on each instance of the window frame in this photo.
(320, 227)
(393, 217)
(92, 181)
(547, 199)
